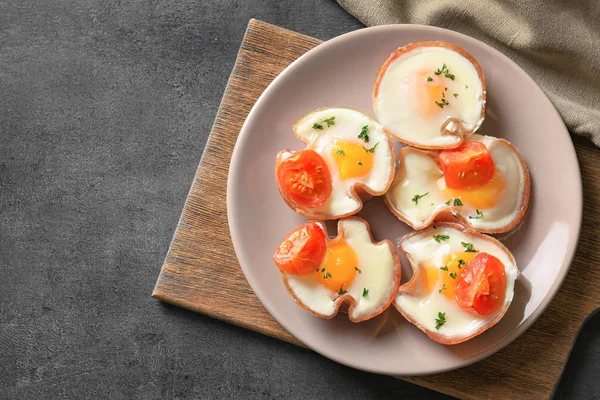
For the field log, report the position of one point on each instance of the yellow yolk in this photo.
(352, 159)
(339, 267)
(482, 197)
(442, 280)
(424, 93)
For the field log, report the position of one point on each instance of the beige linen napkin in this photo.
(556, 42)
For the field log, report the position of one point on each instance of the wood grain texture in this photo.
(201, 273)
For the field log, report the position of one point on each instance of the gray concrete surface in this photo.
(105, 107)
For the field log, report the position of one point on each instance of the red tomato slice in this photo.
(305, 178)
(481, 286)
(468, 166)
(302, 251)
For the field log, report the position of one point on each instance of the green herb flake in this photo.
(469, 247)
(342, 291)
(461, 262)
(340, 152)
(365, 292)
(318, 126)
(364, 133)
(457, 202)
(326, 275)
(443, 288)
(466, 86)
(439, 238)
(456, 95)
(453, 275)
(359, 162)
(372, 149)
(418, 197)
(455, 214)
(358, 269)
(329, 121)
(444, 268)
(429, 79)
(440, 320)
(479, 215)
(448, 202)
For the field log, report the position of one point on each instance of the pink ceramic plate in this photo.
(341, 72)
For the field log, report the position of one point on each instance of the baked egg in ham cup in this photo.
(349, 158)
(463, 282)
(430, 95)
(350, 273)
(483, 184)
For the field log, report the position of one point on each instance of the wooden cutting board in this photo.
(201, 272)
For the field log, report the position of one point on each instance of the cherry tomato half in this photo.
(302, 251)
(305, 178)
(481, 287)
(468, 166)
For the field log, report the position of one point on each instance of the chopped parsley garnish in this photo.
(461, 262)
(363, 133)
(323, 270)
(469, 247)
(457, 202)
(439, 238)
(418, 197)
(340, 152)
(466, 86)
(359, 162)
(444, 70)
(444, 268)
(443, 103)
(429, 79)
(453, 275)
(358, 269)
(443, 288)
(439, 71)
(365, 292)
(326, 275)
(448, 202)
(342, 291)
(440, 320)
(318, 126)
(446, 89)
(479, 215)
(372, 149)
(455, 95)
(329, 121)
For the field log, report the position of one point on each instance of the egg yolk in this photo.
(339, 268)
(443, 278)
(425, 89)
(482, 197)
(352, 159)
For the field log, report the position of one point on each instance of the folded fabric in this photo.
(556, 42)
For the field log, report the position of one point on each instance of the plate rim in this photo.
(544, 302)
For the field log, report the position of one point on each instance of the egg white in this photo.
(423, 308)
(348, 125)
(395, 108)
(423, 175)
(378, 275)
